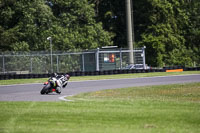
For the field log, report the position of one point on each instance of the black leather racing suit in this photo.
(62, 82)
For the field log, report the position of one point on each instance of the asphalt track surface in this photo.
(31, 92)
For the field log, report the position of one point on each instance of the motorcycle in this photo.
(52, 85)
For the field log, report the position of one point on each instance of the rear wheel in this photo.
(45, 89)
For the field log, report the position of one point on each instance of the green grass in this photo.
(79, 78)
(22, 81)
(150, 109)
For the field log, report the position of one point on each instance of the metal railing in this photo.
(92, 60)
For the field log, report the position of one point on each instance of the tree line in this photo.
(25, 25)
(168, 28)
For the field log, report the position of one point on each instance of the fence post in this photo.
(143, 53)
(57, 60)
(3, 63)
(31, 65)
(120, 54)
(83, 62)
(97, 59)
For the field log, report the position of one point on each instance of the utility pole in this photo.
(129, 27)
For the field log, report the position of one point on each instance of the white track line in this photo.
(63, 98)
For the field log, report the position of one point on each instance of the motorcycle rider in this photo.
(62, 81)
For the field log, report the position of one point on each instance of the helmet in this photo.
(67, 76)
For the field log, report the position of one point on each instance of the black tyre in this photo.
(58, 92)
(45, 89)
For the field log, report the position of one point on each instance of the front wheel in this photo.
(58, 92)
(45, 89)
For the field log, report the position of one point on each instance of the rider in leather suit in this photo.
(63, 80)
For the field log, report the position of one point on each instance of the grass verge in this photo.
(100, 77)
(151, 109)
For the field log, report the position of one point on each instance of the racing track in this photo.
(31, 92)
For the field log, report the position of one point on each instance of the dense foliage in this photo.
(25, 25)
(168, 28)
(166, 35)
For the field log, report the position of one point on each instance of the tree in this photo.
(169, 28)
(164, 37)
(25, 25)
(192, 33)
(112, 14)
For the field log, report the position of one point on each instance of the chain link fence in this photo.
(61, 62)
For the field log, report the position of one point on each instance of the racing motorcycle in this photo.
(55, 84)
